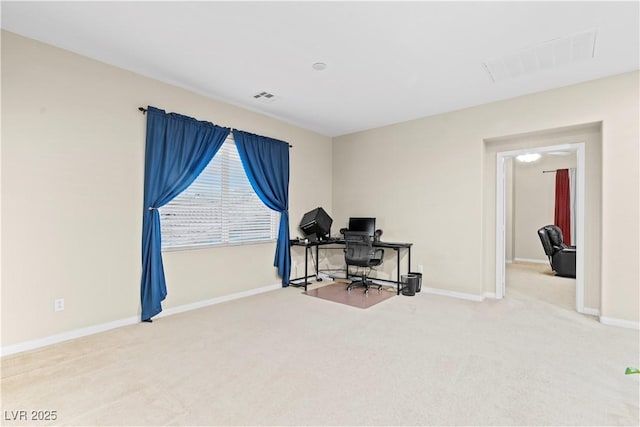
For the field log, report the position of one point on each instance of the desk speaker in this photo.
(316, 224)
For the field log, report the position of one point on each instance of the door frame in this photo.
(579, 149)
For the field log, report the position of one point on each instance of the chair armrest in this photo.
(378, 253)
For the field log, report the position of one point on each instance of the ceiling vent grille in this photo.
(551, 54)
(265, 97)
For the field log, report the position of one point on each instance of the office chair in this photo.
(359, 252)
(561, 257)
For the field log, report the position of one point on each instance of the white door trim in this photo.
(579, 148)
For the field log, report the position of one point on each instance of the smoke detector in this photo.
(319, 66)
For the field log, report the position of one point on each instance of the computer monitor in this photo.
(316, 225)
(363, 224)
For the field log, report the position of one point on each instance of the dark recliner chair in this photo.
(360, 252)
(561, 257)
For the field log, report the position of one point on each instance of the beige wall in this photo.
(534, 203)
(431, 185)
(72, 184)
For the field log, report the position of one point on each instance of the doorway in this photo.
(500, 258)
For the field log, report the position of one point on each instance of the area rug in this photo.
(337, 292)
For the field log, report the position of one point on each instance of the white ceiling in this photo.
(387, 62)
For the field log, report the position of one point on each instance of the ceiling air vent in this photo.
(265, 97)
(550, 54)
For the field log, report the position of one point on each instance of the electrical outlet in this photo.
(420, 269)
(58, 305)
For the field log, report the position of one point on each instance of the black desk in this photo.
(396, 246)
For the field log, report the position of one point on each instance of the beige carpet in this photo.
(337, 292)
(282, 358)
(547, 287)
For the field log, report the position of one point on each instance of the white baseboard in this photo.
(533, 261)
(612, 321)
(66, 336)
(591, 311)
(453, 294)
(78, 333)
(217, 300)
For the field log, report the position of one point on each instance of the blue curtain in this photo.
(177, 149)
(266, 163)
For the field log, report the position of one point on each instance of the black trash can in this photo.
(409, 285)
(419, 283)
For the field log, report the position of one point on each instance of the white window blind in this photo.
(219, 208)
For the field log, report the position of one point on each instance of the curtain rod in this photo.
(555, 170)
(144, 111)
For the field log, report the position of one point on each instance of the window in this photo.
(218, 208)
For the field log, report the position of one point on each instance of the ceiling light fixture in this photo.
(528, 158)
(319, 66)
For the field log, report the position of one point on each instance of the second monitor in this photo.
(363, 224)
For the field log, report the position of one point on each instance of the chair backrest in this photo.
(551, 238)
(358, 248)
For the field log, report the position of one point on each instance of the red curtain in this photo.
(562, 216)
